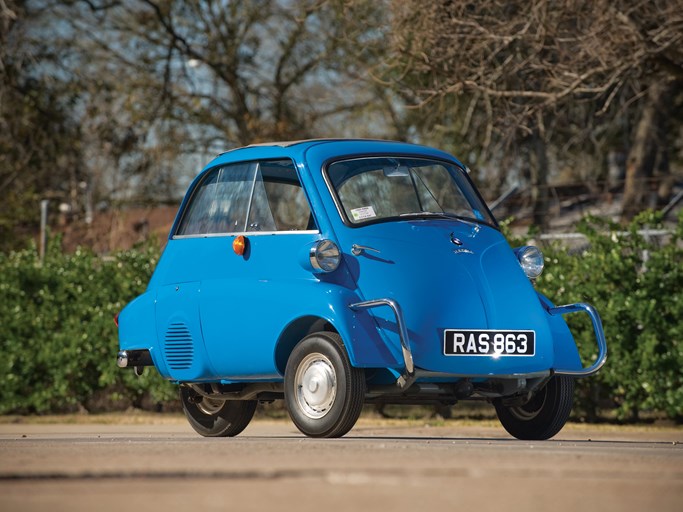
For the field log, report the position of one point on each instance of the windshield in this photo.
(372, 189)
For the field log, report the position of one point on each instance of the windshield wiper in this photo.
(442, 215)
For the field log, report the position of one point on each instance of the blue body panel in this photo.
(211, 315)
(439, 289)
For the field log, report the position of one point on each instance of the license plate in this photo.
(459, 342)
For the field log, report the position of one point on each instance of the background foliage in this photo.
(59, 340)
(636, 283)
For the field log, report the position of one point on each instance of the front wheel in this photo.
(211, 417)
(544, 415)
(324, 394)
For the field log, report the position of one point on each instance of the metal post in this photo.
(43, 229)
(88, 202)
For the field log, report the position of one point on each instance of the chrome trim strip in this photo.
(249, 233)
(333, 194)
(599, 335)
(251, 195)
(402, 332)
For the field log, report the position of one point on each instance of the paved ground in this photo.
(401, 466)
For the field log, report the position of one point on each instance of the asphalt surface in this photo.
(398, 466)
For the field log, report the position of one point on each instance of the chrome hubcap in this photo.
(316, 385)
(210, 406)
(530, 410)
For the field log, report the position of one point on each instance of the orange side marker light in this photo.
(239, 244)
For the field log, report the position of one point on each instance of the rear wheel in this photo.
(324, 394)
(544, 415)
(211, 417)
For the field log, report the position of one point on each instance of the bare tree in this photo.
(243, 71)
(527, 72)
(103, 101)
(168, 79)
(39, 139)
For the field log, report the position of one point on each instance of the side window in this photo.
(220, 202)
(279, 203)
(254, 196)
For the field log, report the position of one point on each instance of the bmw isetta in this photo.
(334, 273)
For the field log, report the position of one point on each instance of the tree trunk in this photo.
(646, 144)
(538, 160)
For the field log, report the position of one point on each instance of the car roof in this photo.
(325, 149)
(308, 142)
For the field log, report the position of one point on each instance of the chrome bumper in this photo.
(134, 358)
(122, 359)
(405, 380)
(599, 335)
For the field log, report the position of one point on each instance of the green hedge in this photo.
(59, 340)
(636, 283)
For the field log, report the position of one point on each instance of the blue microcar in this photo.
(334, 273)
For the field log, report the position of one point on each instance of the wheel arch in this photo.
(359, 334)
(294, 332)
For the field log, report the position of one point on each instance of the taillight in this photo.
(116, 319)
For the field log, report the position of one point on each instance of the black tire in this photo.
(216, 418)
(333, 398)
(544, 415)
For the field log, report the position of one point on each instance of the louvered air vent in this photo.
(178, 347)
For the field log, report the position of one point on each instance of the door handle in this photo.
(356, 249)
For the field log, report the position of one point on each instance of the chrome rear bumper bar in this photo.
(599, 335)
(134, 358)
(408, 377)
